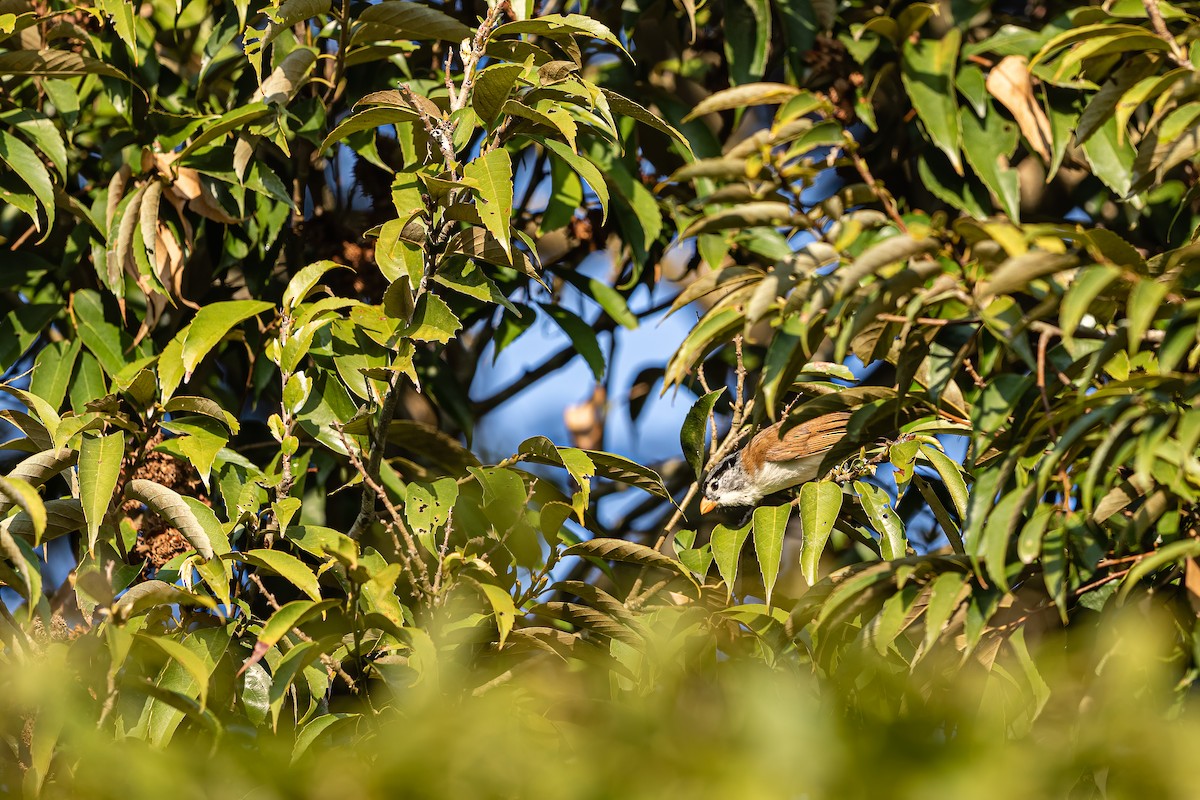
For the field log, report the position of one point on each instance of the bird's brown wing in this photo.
(814, 437)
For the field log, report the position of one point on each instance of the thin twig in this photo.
(1043, 340)
(1160, 27)
(366, 511)
(408, 552)
(925, 320)
(330, 663)
(885, 197)
(1112, 576)
(976, 378)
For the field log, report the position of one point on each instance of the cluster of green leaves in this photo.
(145, 359)
(1064, 352)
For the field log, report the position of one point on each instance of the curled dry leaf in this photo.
(1011, 84)
(187, 184)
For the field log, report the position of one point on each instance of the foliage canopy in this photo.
(254, 257)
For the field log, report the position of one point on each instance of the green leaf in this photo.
(169, 505)
(902, 455)
(369, 119)
(211, 324)
(1089, 283)
(304, 281)
(586, 170)
(879, 255)
(988, 143)
(613, 303)
(1111, 158)
(820, 504)
(46, 414)
(467, 277)
(24, 162)
(123, 14)
(965, 193)
(320, 541)
(23, 495)
(151, 594)
(770, 524)
(1002, 522)
(622, 470)
(238, 118)
(428, 507)
(928, 75)
(548, 114)
(204, 407)
(582, 336)
(291, 666)
(432, 321)
(1157, 559)
(738, 97)
(637, 199)
(400, 19)
(887, 523)
(286, 566)
(100, 460)
(54, 64)
(627, 108)
(43, 133)
(503, 608)
(747, 39)
(491, 177)
(727, 552)
(952, 476)
(198, 442)
(763, 213)
(103, 339)
(477, 243)
(560, 28)
(191, 663)
(695, 425)
(945, 594)
(1054, 567)
(28, 578)
(321, 727)
(971, 82)
(282, 622)
(62, 517)
(287, 78)
(566, 196)
(493, 87)
(629, 552)
(39, 468)
(1029, 543)
(715, 328)
(1142, 307)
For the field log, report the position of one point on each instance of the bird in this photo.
(773, 461)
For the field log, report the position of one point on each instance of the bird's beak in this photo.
(706, 505)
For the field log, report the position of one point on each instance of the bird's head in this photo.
(728, 484)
